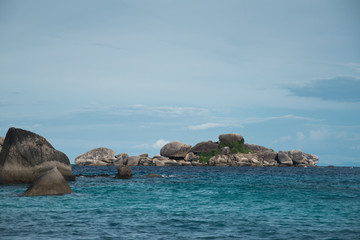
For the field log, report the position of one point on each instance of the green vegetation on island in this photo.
(234, 147)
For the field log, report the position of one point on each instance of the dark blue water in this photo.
(191, 203)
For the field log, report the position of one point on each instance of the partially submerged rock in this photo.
(25, 153)
(96, 157)
(124, 172)
(50, 182)
(154, 175)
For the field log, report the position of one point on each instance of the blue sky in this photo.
(133, 75)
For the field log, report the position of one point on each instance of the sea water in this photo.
(191, 203)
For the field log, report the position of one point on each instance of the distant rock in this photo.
(124, 172)
(269, 158)
(191, 157)
(300, 158)
(145, 160)
(50, 182)
(225, 150)
(153, 175)
(25, 153)
(257, 148)
(133, 160)
(203, 147)
(96, 157)
(284, 158)
(121, 159)
(230, 137)
(175, 150)
(164, 161)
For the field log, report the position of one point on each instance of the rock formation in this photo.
(49, 182)
(96, 157)
(175, 150)
(121, 159)
(229, 151)
(24, 154)
(231, 137)
(124, 172)
(202, 147)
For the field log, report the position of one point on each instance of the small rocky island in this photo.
(27, 158)
(230, 150)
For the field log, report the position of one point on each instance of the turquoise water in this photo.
(191, 203)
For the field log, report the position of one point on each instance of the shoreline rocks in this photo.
(175, 150)
(24, 154)
(229, 151)
(96, 157)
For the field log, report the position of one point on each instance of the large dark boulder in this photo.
(124, 172)
(96, 157)
(175, 150)
(50, 182)
(231, 137)
(203, 147)
(25, 153)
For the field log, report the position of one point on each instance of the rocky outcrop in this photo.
(257, 148)
(231, 137)
(133, 160)
(96, 157)
(231, 151)
(162, 161)
(121, 159)
(50, 182)
(175, 150)
(301, 159)
(124, 172)
(284, 159)
(24, 154)
(203, 147)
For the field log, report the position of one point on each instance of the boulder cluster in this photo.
(230, 150)
(28, 158)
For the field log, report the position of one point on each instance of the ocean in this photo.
(191, 203)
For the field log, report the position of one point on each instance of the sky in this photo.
(134, 75)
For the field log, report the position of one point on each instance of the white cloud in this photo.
(283, 139)
(159, 143)
(288, 116)
(139, 109)
(319, 134)
(300, 136)
(206, 126)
